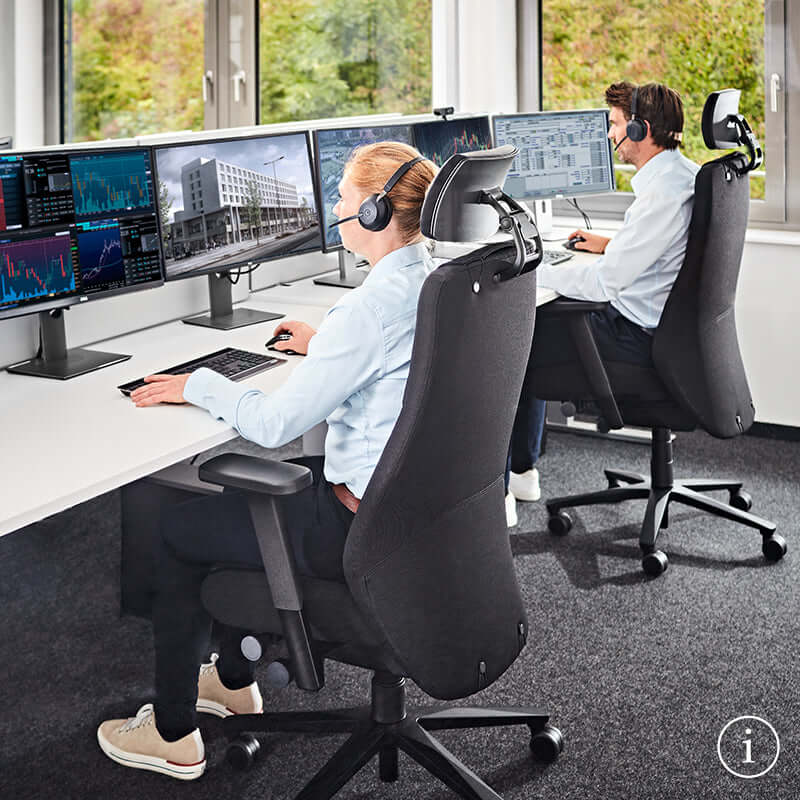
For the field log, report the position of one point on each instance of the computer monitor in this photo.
(74, 225)
(228, 204)
(332, 148)
(440, 139)
(561, 153)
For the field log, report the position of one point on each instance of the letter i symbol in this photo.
(748, 747)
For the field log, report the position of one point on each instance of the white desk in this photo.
(64, 442)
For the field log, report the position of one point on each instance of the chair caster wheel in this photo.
(774, 547)
(547, 744)
(242, 752)
(559, 523)
(655, 563)
(741, 500)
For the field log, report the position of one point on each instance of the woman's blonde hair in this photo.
(371, 165)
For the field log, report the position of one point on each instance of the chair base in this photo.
(384, 729)
(661, 490)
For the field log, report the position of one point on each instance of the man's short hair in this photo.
(661, 106)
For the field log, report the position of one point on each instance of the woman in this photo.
(354, 376)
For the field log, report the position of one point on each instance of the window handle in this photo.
(774, 88)
(238, 79)
(208, 81)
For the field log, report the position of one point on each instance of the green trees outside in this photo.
(136, 64)
(694, 46)
(252, 209)
(333, 58)
(136, 67)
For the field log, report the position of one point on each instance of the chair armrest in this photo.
(254, 474)
(563, 305)
(577, 323)
(263, 480)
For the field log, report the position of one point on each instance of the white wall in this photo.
(767, 317)
(28, 73)
(475, 58)
(7, 101)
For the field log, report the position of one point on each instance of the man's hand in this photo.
(593, 244)
(160, 389)
(300, 332)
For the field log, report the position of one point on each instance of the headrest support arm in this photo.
(529, 253)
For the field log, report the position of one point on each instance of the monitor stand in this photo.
(349, 277)
(55, 360)
(223, 315)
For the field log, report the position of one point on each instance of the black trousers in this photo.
(618, 339)
(200, 533)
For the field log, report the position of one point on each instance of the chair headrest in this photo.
(725, 128)
(452, 211)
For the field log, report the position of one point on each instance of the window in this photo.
(694, 46)
(131, 67)
(331, 58)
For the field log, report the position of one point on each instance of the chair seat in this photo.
(239, 597)
(641, 396)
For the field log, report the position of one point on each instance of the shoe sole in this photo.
(184, 772)
(210, 707)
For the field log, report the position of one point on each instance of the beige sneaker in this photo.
(214, 698)
(136, 742)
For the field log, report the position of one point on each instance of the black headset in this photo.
(636, 129)
(375, 212)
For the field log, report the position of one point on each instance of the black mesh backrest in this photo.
(428, 555)
(695, 347)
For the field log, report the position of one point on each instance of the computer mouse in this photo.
(281, 337)
(285, 352)
(570, 243)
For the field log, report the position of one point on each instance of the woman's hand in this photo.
(300, 332)
(593, 244)
(160, 389)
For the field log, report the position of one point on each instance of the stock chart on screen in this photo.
(36, 267)
(109, 183)
(439, 140)
(75, 223)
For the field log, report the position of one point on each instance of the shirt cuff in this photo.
(214, 392)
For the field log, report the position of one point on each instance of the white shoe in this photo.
(511, 510)
(213, 697)
(136, 742)
(525, 485)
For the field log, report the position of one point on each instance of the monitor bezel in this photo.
(565, 112)
(80, 297)
(238, 265)
(318, 173)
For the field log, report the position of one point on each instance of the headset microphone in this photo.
(345, 219)
(616, 146)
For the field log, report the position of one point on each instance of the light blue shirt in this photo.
(354, 375)
(641, 262)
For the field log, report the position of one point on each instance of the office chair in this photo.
(430, 591)
(697, 377)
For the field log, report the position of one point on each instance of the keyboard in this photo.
(555, 256)
(230, 362)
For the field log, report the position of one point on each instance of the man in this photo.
(636, 268)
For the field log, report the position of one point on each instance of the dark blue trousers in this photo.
(618, 339)
(218, 529)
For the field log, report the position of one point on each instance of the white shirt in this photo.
(354, 375)
(640, 264)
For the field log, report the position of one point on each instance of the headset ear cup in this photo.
(636, 130)
(375, 213)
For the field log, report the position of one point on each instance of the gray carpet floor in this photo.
(640, 675)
